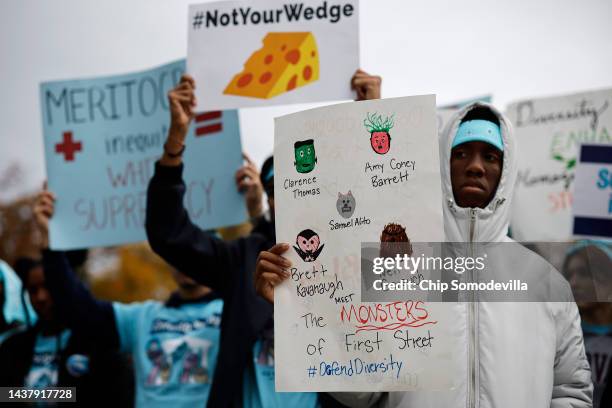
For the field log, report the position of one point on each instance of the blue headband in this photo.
(479, 130)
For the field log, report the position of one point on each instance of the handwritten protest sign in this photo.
(549, 132)
(269, 52)
(592, 207)
(344, 175)
(102, 137)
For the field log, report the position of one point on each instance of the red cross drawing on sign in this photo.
(68, 148)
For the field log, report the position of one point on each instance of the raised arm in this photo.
(208, 260)
(73, 301)
(178, 241)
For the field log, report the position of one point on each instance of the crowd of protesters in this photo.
(211, 343)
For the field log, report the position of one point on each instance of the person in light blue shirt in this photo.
(258, 386)
(16, 313)
(173, 345)
(44, 369)
(49, 354)
(226, 266)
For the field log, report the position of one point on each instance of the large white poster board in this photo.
(343, 175)
(549, 134)
(271, 52)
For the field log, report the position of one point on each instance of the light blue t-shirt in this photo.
(174, 350)
(14, 309)
(44, 369)
(259, 390)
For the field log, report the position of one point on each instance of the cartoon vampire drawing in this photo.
(308, 247)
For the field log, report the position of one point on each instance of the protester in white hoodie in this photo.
(511, 354)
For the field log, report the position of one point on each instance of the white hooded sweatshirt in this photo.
(511, 354)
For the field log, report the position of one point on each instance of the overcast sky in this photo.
(456, 49)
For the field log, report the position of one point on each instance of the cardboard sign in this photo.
(347, 174)
(549, 133)
(269, 52)
(102, 137)
(592, 208)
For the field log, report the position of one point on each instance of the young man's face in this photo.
(475, 172)
(39, 294)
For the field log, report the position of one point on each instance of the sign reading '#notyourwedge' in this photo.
(270, 52)
(102, 137)
(549, 133)
(347, 174)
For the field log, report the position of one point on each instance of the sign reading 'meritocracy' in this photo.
(102, 137)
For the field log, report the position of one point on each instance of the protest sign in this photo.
(347, 174)
(549, 132)
(102, 137)
(592, 207)
(269, 52)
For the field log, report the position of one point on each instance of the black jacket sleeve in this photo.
(16, 357)
(172, 235)
(76, 306)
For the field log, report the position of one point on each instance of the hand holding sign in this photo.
(182, 102)
(367, 86)
(270, 270)
(249, 184)
(44, 207)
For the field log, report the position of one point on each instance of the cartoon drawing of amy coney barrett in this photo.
(380, 138)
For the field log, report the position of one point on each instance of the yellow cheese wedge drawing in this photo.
(285, 62)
